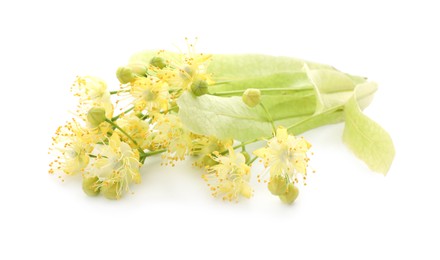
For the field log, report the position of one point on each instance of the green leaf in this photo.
(298, 94)
(288, 93)
(333, 88)
(223, 117)
(367, 139)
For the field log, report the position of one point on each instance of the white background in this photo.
(345, 212)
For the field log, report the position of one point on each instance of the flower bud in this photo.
(110, 190)
(246, 191)
(96, 116)
(90, 185)
(138, 69)
(252, 97)
(125, 74)
(290, 195)
(158, 62)
(207, 161)
(277, 185)
(199, 87)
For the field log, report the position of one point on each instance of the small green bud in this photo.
(158, 62)
(125, 74)
(90, 185)
(252, 97)
(277, 185)
(138, 69)
(110, 190)
(96, 116)
(290, 195)
(199, 87)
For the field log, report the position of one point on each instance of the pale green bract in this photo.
(297, 94)
(367, 139)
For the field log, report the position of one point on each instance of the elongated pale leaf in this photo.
(260, 71)
(298, 94)
(367, 139)
(223, 117)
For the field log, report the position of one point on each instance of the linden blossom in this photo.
(192, 104)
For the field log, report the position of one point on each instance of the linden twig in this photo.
(125, 133)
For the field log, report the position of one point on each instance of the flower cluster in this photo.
(285, 157)
(112, 133)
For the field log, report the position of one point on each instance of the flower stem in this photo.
(251, 161)
(148, 154)
(125, 112)
(117, 91)
(151, 153)
(125, 133)
(171, 109)
(269, 117)
(240, 145)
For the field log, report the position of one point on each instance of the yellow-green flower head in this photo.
(150, 94)
(166, 127)
(185, 69)
(277, 184)
(71, 145)
(89, 88)
(92, 92)
(204, 146)
(230, 177)
(138, 129)
(169, 133)
(290, 195)
(252, 97)
(96, 116)
(285, 154)
(116, 164)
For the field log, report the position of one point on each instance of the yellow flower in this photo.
(138, 129)
(181, 72)
(89, 88)
(93, 94)
(72, 145)
(230, 177)
(285, 155)
(170, 133)
(150, 94)
(116, 166)
(204, 146)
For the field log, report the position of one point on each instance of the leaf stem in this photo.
(151, 153)
(304, 121)
(263, 91)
